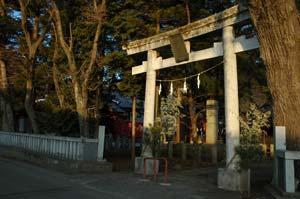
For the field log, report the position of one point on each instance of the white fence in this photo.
(53, 146)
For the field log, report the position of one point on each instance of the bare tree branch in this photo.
(100, 14)
(2, 8)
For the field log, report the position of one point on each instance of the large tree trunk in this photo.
(29, 106)
(82, 117)
(82, 109)
(97, 111)
(7, 117)
(278, 26)
(6, 111)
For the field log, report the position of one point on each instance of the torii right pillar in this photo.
(229, 178)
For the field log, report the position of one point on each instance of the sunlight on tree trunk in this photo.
(278, 26)
(193, 118)
(7, 117)
(6, 111)
(29, 106)
(2, 8)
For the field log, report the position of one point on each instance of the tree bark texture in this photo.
(193, 118)
(2, 8)
(29, 106)
(97, 111)
(6, 111)
(187, 10)
(80, 75)
(59, 92)
(278, 26)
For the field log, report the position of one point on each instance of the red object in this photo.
(154, 168)
(138, 129)
(123, 128)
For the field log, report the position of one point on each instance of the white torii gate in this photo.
(228, 49)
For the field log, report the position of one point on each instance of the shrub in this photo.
(253, 127)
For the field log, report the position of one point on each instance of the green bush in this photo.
(253, 127)
(248, 154)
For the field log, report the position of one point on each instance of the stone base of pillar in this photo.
(233, 180)
(139, 166)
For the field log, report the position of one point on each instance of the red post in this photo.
(154, 168)
(144, 168)
(166, 171)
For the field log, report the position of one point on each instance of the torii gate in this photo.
(230, 45)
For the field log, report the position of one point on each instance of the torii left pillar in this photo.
(229, 178)
(149, 106)
(153, 60)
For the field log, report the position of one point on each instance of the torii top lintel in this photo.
(214, 22)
